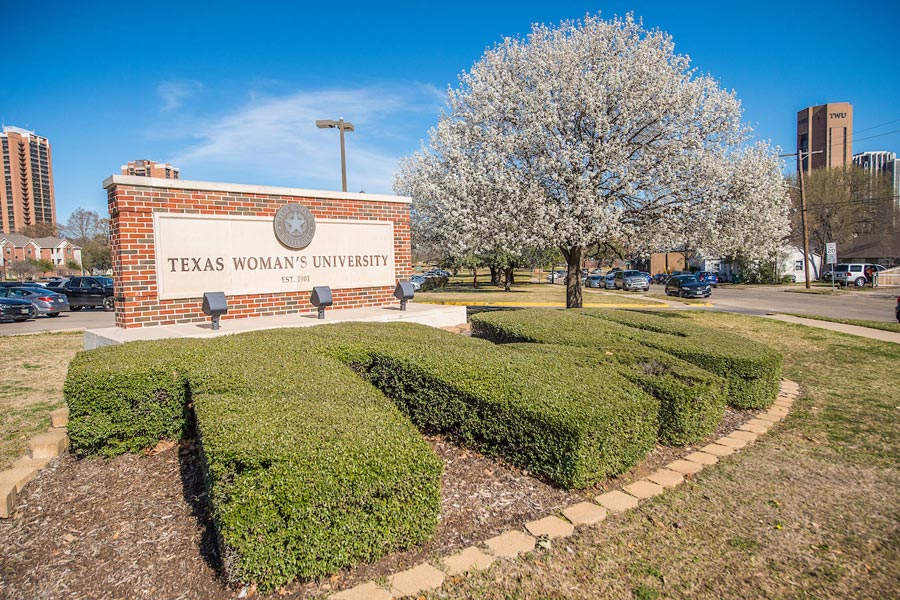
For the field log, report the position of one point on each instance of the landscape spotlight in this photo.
(321, 297)
(404, 292)
(215, 305)
(341, 126)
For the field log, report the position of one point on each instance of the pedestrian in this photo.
(870, 275)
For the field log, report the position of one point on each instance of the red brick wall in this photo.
(131, 209)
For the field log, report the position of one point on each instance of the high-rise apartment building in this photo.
(26, 196)
(827, 131)
(149, 168)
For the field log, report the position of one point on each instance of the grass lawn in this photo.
(31, 381)
(811, 510)
(699, 301)
(523, 294)
(884, 326)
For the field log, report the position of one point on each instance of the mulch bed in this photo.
(140, 527)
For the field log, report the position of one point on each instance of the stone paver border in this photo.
(512, 543)
(42, 448)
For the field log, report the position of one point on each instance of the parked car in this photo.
(556, 276)
(708, 277)
(631, 280)
(87, 291)
(13, 309)
(29, 284)
(687, 286)
(897, 309)
(594, 281)
(45, 302)
(417, 281)
(659, 278)
(609, 281)
(854, 273)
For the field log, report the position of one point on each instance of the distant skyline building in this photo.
(149, 168)
(26, 196)
(827, 130)
(881, 163)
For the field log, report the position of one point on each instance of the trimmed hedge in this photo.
(753, 369)
(310, 468)
(307, 481)
(692, 400)
(127, 398)
(569, 423)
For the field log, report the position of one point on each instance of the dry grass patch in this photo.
(31, 380)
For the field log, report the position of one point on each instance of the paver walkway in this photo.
(867, 332)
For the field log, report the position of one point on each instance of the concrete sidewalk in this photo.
(426, 314)
(875, 334)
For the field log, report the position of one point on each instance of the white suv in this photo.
(854, 273)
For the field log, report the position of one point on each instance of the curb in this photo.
(516, 542)
(652, 304)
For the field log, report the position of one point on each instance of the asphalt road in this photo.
(86, 318)
(872, 305)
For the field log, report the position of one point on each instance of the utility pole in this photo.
(803, 218)
(800, 155)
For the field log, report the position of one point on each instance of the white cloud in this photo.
(274, 139)
(173, 93)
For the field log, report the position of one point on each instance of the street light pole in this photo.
(341, 126)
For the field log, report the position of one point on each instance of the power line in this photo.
(877, 126)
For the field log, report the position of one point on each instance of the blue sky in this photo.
(230, 91)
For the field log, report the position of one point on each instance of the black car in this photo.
(12, 309)
(687, 286)
(87, 291)
(897, 309)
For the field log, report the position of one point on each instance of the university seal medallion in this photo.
(295, 226)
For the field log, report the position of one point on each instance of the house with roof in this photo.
(58, 251)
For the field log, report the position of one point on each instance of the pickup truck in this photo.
(87, 291)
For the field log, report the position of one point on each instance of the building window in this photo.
(798, 265)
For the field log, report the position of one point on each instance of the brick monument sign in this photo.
(265, 247)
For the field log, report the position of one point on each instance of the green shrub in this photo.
(569, 423)
(753, 369)
(126, 398)
(306, 482)
(692, 400)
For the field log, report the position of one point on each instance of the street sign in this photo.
(831, 253)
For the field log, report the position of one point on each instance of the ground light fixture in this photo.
(321, 298)
(341, 126)
(215, 305)
(404, 292)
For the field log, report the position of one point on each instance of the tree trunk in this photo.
(495, 275)
(573, 257)
(508, 279)
(474, 277)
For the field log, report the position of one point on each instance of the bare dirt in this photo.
(140, 526)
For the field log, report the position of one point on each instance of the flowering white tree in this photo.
(741, 206)
(468, 202)
(595, 130)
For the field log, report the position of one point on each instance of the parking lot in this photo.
(84, 319)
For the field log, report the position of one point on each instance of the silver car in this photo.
(631, 280)
(45, 302)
